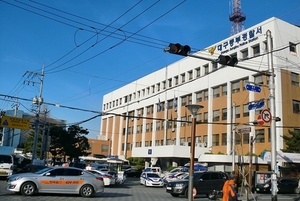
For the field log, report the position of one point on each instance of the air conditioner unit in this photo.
(173, 129)
(132, 119)
(186, 144)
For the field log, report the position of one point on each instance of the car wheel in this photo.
(297, 190)
(86, 191)
(186, 193)
(28, 188)
(174, 195)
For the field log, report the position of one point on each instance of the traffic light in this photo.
(178, 49)
(227, 60)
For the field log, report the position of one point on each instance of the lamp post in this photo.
(193, 108)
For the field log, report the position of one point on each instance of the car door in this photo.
(72, 180)
(216, 181)
(203, 183)
(51, 181)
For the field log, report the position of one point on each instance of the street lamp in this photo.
(193, 108)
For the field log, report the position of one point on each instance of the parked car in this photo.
(284, 185)
(204, 182)
(172, 177)
(132, 172)
(108, 179)
(151, 179)
(156, 170)
(30, 168)
(65, 180)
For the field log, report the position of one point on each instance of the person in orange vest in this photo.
(229, 190)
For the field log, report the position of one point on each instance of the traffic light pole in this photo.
(273, 119)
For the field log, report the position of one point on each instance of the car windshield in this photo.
(5, 159)
(153, 175)
(46, 169)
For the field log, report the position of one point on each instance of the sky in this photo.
(89, 48)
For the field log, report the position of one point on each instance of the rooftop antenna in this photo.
(236, 17)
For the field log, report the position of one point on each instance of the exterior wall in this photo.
(184, 80)
(99, 148)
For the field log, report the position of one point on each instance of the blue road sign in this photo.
(251, 87)
(256, 105)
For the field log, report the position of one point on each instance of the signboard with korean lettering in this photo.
(240, 40)
(15, 122)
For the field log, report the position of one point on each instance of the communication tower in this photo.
(236, 17)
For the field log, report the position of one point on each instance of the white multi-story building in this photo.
(148, 118)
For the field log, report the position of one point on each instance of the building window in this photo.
(143, 92)
(198, 139)
(206, 94)
(224, 114)
(175, 80)
(216, 92)
(235, 87)
(170, 104)
(206, 69)
(157, 125)
(147, 127)
(170, 124)
(260, 136)
(237, 112)
(182, 141)
(104, 148)
(183, 100)
(183, 78)
(214, 66)
(198, 117)
(256, 50)
(198, 74)
(158, 86)
(205, 117)
(199, 96)
(244, 54)
(258, 79)
(190, 74)
(216, 115)
(160, 106)
(148, 90)
(205, 139)
(189, 98)
(224, 139)
(138, 129)
(170, 82)
(146, 143)
(183, 123)
(245, 110)
(153, 89)
(295, 79)
(246, 138)
(296, 106)
(164, 84)
(293, 48)
(224, 90)
(215, 140)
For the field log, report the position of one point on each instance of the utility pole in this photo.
(43, 145)
(13, 130)
(233, 137)
(38, 101)
(273, 118)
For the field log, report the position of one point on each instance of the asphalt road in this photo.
(130, 191)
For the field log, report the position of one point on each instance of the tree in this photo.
(28, 144)
(292, 142)
(70, 142)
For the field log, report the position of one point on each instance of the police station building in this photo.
(148, 118)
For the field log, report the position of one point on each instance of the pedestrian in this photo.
(229, 190)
